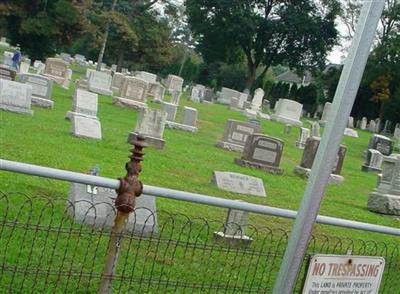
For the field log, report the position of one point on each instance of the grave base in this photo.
(266, 168)
(174, 125)
(384, 203)
(333, 179)
(100, 91)
(71, 114)
(41, 102)
(16, 109)
(233, 240)
(229, 146)
(154, 142)
(366, 168)
(286, 120)
(129, 103)
(58, 80)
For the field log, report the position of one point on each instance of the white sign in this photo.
(347, 274)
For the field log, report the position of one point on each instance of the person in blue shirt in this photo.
(16, 59)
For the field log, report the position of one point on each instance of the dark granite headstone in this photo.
(381, 143)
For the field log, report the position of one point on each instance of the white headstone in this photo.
(100, 82)
(15, 97)
(42, 89)
(147, 76)
(86, 127)
(226, 94)
(174, 83)
(303, 136)
(257, 99)
(239, 183)
(288, 111)
(364, 122)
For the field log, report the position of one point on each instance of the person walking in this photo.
(16, 59)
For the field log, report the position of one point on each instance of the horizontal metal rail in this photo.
(69, 176)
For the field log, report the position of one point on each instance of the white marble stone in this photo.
(288, 111)
(86, 127)
(100, 82)
(15, 97)
(239, 183)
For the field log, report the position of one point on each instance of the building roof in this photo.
(291, 77)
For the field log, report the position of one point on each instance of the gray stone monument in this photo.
(157, 91)
(372, 126)
(208, 96)
(170, 109)
(42, 89)
(315, 129)
(15, 97)
(100, 82)
(364, 123)
(303, 136)
(385, 198)
(57, 70)
(396, 133)
(309, 154)
(146, 76)
(325, 113)
(381, 143)
(234, 230)
(373, 162)
(239, 183)
(174, 83)
(83, 103)
(236, 133)
(117, 81)
(288, 112)
(226, 94)
(189, 120)
(150, 124)
(262, 152)
(7, 73)
(86, 127)
(133, 93)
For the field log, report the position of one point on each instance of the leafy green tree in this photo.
(42, 27)
(264, 33)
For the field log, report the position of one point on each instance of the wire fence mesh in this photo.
(45, 247)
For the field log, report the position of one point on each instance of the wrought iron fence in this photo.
(45, 248)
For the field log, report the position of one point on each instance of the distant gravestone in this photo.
(239, 183)
(350, 122)
(325, 113)
(175, 97)
(170, 109)
(315, 129)
(15, 97)
(86, 127)
(386, 197)
(303, 136)
(373, 161)
(226, 94)
(396, 133)
(174, 83)
(378, 125)
(7, 58)
(24, 67)
(117, 81)
(350, 132)
(84, 103)
(150, 124)
(236, 134)
(257, 99)
(288, 111)
(381, 143)
(197, 93)
(100, 83)
(234, 230)
(262, 152)
(57, 70)
(157, 91)
(146, 76)
(208, 96)
(372, 126)
(66, 57)
(309, 154)
(288, 129)
(94, 206)
(42, 89)
(133, 93)
(364, 123)
(189, 120)
(7, 73)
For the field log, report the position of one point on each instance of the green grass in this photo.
(186, 163)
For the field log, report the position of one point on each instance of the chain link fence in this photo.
(45, 250)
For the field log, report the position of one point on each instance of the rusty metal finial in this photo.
(130, 186)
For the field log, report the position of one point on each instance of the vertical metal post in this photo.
(340, 110)
(130, 188)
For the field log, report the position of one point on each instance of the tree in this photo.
(264, 33)
(42, 27)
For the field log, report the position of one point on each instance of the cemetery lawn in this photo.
(186, 163)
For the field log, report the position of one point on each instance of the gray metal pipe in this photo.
(69, 176)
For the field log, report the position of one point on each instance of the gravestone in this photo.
(117, 81)
(315, 129)
(358, 124)
(197, 93)
(303, 136)
(308, 157)
(378, 126)
(114, 67)
(146, 76)
(385, 198)
(262, 152)
(80, 59)
(288, 129)
(42, 89)
(94, 206)
(133, 93)
(234, 230)
(24, 67)
(66, 57)
(15, 97)
(396, 133)
(236, 134)
(325, 114)
(174, 83)
(57, 70)
(373, 162)
(86, 127)
(170, 110)
(7, 58)
(288, 112)
(226, 94)
(387, 129)
(364, 123)
(381, 143)
(175, 97)
(157, 91)
(257, 100)
(239, 183)
(100, 82)
(372, 126)
(7, 73)
(189, 120)
(150, 124)
(350, 133)
(208, 96)
(266, 105)
(350, 122)
(84, 103)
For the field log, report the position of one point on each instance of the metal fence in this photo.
(43, 249)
